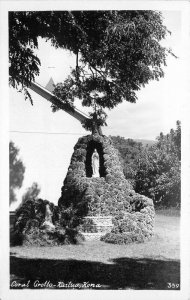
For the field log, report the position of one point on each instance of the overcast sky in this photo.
(47, 156)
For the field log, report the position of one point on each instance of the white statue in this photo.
(48, 218)
(95, 164)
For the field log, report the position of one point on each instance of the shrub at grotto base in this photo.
(136, 226)
(29, 228)
(40, 237)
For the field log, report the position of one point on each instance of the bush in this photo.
(154, 170)
(33, 210)
(28, 229)
(134, 226)
(16, 238)
(38, 237)
(123, 238)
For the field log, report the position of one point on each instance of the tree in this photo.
(159, 170)
(129, 151)
(117, 53)
(16, 171)
(154, 171)
(31, 193)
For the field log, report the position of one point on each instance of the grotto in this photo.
(96, 203)
(104, 207)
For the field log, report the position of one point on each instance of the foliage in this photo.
(134, 226)
(30, 216)
(96, 120)
(129, 150)
(159, 169)
(101, 78)
(31, 193)
(16, 171)
(29, 229)
(69, 217)
(154, 171)
(35, 236)
(122, 238)
(31, 210)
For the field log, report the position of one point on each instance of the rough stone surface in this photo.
(108, 195)
(30, 228)
(101, 196)
(136, 226)
(96, 224)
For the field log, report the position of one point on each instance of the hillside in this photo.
(145, 142)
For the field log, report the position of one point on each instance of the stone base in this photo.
(92, 236)
(92, 228)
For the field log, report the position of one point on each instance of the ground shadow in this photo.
(121, 273)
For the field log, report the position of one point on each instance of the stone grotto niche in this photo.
(106, 205)
(92, 145)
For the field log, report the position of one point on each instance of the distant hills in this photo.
(145, 142)
(126, 141)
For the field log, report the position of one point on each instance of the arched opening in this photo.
(90, 149)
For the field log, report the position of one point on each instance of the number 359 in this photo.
(172, 285)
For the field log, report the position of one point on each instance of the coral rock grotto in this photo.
(96, 200)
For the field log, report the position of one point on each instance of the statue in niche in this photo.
(95, 164)
(48, 218)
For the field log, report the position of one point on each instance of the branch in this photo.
(104, 76)
(77, 65)
(77, 59)
(74, 23)
(91, 71)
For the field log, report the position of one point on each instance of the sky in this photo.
(47, 143)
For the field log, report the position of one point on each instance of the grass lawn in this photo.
(151, 265)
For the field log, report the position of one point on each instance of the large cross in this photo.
(76, 113)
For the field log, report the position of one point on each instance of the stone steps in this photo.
(93, 228)
(92, 236)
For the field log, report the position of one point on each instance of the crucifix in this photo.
(46, 92)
